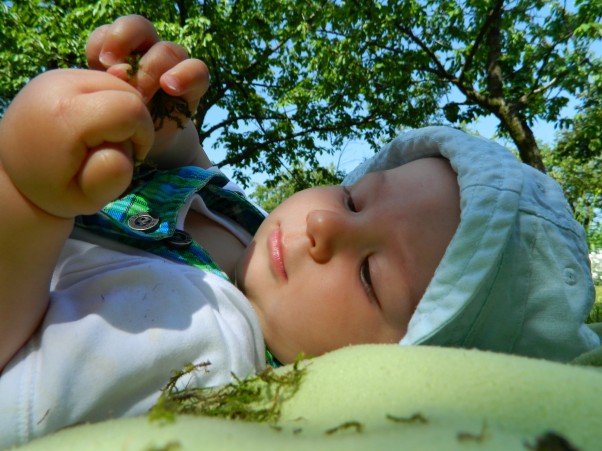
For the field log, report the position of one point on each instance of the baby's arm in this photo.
(161, 66)
(67, 144)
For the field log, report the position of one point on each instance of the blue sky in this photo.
(356, 150)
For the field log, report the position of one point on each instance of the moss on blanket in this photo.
(258, 399)
(390, 397)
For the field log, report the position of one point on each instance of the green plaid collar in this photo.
(145, 217)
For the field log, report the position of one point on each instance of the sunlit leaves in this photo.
(292, 79)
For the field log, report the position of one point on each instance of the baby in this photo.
(441, 238)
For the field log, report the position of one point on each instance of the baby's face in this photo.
(335, 266)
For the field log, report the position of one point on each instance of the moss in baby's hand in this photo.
(162, 105)
(134, 61)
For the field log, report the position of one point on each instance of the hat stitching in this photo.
(450, 282)
(522, 302)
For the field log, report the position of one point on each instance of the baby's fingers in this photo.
(180, 90)
(106, 174)
(113, 44)
(117, 116)
(117, 132)
(189, 80)
(158, 60)
(94, 47)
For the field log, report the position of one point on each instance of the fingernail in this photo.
(145, 99)
(107, 59)
(172, 83)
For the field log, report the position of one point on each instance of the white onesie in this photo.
(120, 320)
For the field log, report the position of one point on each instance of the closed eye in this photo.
(349, 200)
(366, 279)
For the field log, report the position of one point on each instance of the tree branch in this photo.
(235, 119)
(523, 101)
(494, 46)
(478, 41)
(440, 69)
(249, 152)
(183, 10)
(258, 62)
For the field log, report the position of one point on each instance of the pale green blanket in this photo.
(391, 397)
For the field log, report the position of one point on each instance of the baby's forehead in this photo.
(425, 172)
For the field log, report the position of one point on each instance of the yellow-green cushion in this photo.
(389, 397)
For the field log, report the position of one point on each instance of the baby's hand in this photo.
(70, 138)
(169, 81)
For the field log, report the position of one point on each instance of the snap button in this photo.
(569, 276)
(179, 240)
(143, 222)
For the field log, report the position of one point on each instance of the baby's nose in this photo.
(328, 232)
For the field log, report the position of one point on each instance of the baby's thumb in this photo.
(106, 174)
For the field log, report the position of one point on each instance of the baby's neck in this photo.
(218, 241)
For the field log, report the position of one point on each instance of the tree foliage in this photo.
(518, 60)
(581, 180)
(299, 78)
(576, 162)
(289, 181)
(252, 48)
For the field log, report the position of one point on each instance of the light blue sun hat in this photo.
(516, 276)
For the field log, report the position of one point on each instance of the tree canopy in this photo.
(289, 181)
(296, 79)
(576, 162)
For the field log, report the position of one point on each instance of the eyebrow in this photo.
(376, 183)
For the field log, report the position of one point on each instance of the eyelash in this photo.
(365, 277)
(367, 280)
(349, 200)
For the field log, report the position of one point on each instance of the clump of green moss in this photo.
(162, 106)
(255, 399)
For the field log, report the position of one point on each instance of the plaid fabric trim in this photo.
(234, 205)
(162, 194)
(270, 359)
